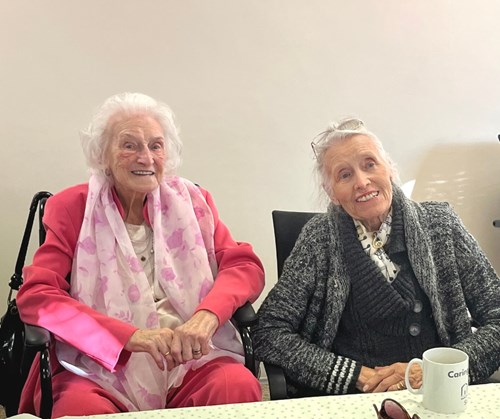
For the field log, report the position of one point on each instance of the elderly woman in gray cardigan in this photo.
(375, 281)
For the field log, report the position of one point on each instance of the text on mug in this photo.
(456, 374)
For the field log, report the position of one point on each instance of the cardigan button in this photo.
(414, 329)
(417, 308)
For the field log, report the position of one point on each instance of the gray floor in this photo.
(265, 390)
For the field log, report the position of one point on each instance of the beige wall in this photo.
(251, 83)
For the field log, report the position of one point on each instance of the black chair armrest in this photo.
(36, 337)
(37, 340)
(242, 319)
(277, 382)
(245, 315)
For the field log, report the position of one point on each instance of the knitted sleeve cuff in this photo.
(355, 376)
(343, 376)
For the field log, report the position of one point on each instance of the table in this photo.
(484, 402)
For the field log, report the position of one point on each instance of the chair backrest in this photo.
(287, 227)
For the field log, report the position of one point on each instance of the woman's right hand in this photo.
(365, 375)
(387, 378)
(155, 342)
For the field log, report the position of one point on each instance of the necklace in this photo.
(377, 242)
(141, 237)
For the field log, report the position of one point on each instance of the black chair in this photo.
(38, 339)
(287, 227)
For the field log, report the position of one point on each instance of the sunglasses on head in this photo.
(351, 124)
(391, 409)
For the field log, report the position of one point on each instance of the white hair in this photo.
(341, 131)
(96, 137)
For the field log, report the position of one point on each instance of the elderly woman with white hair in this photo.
(375, 281)
(155, 277)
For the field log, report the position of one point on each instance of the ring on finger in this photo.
(166, 353)
(196, 351)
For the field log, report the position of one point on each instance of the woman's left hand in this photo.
(191, 340)
(392, 378)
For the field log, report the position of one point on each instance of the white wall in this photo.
(251, 83)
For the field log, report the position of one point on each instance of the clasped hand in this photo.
(186, 342)
(387, 378)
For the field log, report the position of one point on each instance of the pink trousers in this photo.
(220, 381)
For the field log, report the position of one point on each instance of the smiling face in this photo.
(135, 156)
(360, 180)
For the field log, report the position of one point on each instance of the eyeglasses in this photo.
(351, 124)
(391, 409)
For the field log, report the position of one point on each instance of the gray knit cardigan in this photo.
(299, 318)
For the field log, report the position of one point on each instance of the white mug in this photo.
(445, 380)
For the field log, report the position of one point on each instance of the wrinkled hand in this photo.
(156, 342)
(387, 378)
(365, 375)
(191, 340)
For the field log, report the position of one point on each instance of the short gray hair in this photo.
(337, 132)
(95, 138)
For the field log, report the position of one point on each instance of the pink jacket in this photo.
(240, 279)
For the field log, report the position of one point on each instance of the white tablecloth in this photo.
(484, 402)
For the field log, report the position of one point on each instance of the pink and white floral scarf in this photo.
(185, 267)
